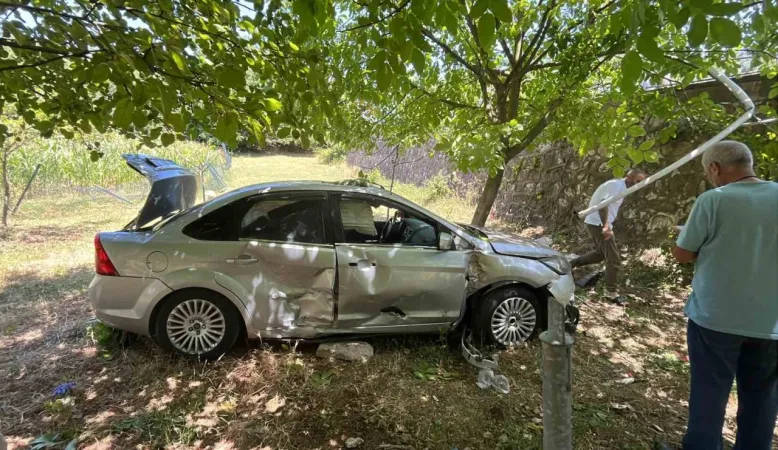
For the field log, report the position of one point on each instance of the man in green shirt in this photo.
(732, 237)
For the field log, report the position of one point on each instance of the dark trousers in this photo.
(603, 251)
(716, 359)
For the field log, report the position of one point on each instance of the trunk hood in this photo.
(173, 188)
(510, 245)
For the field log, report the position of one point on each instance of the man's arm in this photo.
(682, 255)
(694, 234)
(606, 227)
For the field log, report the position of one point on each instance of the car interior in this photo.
(367, 222)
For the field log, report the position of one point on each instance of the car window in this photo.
(376, 222)
(217, 225)
(286, 220)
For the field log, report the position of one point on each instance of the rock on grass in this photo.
(347, 351)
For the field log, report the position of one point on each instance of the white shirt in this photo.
(607, 190)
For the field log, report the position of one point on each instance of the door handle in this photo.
(242, 260)
(362, 264)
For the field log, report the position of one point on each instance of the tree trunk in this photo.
(6, 191)
(487, 198)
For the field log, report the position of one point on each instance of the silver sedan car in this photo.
(303, 260)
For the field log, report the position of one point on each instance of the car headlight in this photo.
(558, 264)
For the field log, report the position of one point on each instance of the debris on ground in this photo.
(63, 389)
(346, 351)
(487, 379)
(354, 442)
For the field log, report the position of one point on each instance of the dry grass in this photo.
(276, 397)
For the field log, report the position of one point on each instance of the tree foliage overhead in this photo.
(152, 68)
(490, 79)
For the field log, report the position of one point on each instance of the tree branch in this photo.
(522, 60)
(36, 64)
(382, 19)
(39, 10)
(36, 48)
(452, 53)
(534, 132)
(446, 101)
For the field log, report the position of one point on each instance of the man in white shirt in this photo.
(599, 225)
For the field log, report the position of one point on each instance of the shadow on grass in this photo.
(279, 395)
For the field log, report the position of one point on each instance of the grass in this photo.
(416, 392)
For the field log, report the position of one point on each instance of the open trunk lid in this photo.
(173, 189)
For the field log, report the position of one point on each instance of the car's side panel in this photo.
(286, 286)
(382, 286)
(126, 303)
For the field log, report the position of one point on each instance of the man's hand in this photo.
(607, 233)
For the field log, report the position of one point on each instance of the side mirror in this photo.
(444, 241)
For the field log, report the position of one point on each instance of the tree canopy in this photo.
(490, 79)
(487, 79)
(151, 68)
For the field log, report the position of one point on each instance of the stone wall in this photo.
(548, 187)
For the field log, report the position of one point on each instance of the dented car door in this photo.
(393, 284)
(285, 264)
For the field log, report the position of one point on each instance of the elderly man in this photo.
(599, 225)
(732, 235)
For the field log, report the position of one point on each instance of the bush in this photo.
(437, 188)
(331, 155)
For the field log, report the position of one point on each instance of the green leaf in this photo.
(725, 32)
(647, 145)
(176, 121)
(283, 132)
(486, 31)
(698, 30)
(231, 78)
(294, 47)
(680, 17)
(725, 9)
(167, 139)
(651, 157)
(166, 99)
(179, 61)
(635, 155)
(636, 131)
(94, 155)
(631, 71)
(647, 46)
(272, 104)
(122, 113)
(773, 93)
(701, 4)
(501, 10)
(478, 8)
(418, 60)
(101, 73)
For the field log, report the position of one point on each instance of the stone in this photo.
(347, 351)
(354, 442)
(504, 439)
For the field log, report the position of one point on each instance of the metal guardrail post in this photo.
(557, 369)
(26, 188)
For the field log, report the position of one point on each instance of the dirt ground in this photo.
(630, 370)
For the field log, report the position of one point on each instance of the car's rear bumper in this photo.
(126, 303)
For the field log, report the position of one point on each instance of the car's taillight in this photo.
(103, 264)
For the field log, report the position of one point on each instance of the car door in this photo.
(393, 282)
(282, 262)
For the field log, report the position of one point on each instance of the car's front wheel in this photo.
(509, 316)
(197, 323)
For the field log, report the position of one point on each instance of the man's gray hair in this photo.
(728, 153)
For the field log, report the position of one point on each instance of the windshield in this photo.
(474, 231)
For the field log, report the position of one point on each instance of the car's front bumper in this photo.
(126, 303)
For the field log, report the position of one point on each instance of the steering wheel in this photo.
(387, 230)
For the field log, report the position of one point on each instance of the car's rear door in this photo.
(382, 284)
(282, 263)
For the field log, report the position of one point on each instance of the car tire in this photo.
(505, 316)
(209, 321)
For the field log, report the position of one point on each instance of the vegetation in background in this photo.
(70, 162)
(165, 69)
(490, 79)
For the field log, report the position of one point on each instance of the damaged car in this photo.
(308, 260)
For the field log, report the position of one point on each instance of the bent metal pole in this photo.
(748, 104)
